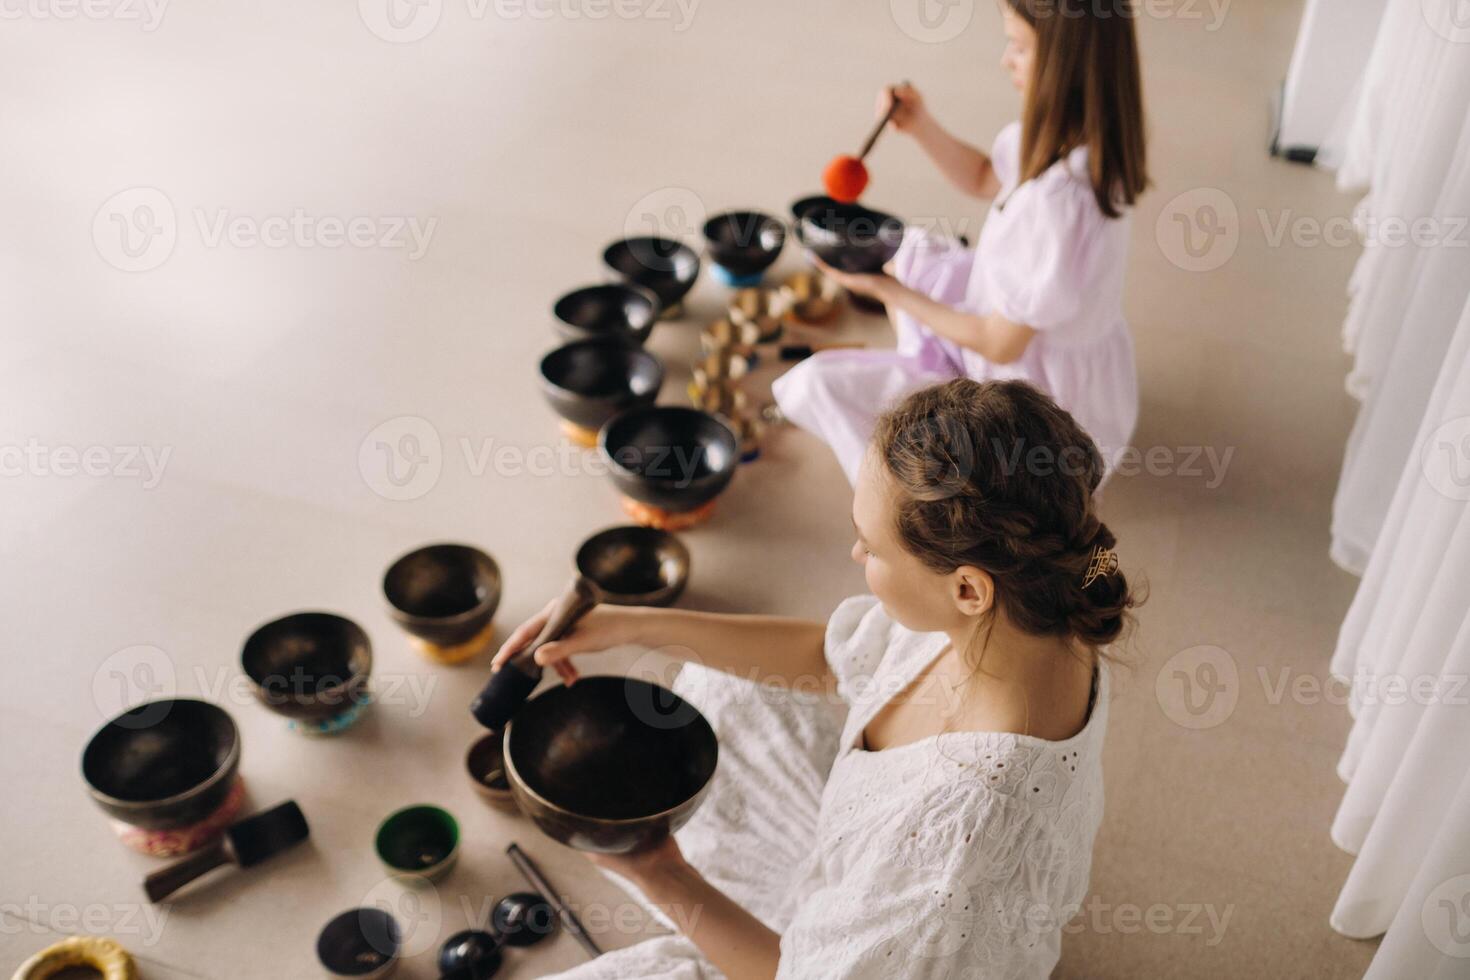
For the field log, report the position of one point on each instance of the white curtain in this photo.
(1406, 646)
(1409, 140)
(1402, 512)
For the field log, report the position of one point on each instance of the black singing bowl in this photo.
(610, 764)
(675, 459)
(744, 242)
(635, 566)
(443, 593)
(163, 764)
(850, 237)
(664, 266)
(615, 311)
(310, 666)
(588, 382)
(801, 204)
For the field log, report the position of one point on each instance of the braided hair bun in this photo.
(995, 475)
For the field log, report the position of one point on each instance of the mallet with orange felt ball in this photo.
(847, 177)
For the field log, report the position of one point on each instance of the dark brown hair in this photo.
(1085, 91)
(995, 475)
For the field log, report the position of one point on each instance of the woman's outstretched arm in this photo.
(767, 649)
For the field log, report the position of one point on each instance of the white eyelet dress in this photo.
(958, 856)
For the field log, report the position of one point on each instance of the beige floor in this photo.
(533, 143)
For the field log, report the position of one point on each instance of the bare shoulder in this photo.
(1053, 706)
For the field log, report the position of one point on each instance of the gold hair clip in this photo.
(1103, 564)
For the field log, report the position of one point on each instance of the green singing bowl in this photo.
(610, 765)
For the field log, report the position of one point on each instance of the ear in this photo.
(972, 589)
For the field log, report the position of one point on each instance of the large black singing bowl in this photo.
(663, 265)
(615, 311)
(850, 237)
(163, 764)
(590, 381)
(610, 764)
(675, 459)
(744, 242)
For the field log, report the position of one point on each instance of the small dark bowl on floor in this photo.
(473, 954)
(745, 243)
(309, 666)
(590, 381)
(361, 944)
(635, 566)
(666, 267)
(163, 764)
(445, 594)
(418, 843)
(610, 764)
(523, 919)
(849, 237)
(616, 311)
(485, 765)
(675, 459)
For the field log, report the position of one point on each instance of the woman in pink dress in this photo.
(1040, 297)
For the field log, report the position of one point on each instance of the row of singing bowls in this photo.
(665, 267)
(444, 594)
(588, 382)
(164, 764)
(612, 311)
(745, 243)
(848, 237)
(610, 764)
(309, 666)
(673, 458)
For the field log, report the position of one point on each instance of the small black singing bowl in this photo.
(664, 266)
(309, 666)
(588, 382)
(610, 764)
(445, 594)
(616, 311)
(675, 459)
(744, 242)
(635, 566)
(163, 764)
(850, 237)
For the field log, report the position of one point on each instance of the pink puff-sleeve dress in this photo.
(1047, 258)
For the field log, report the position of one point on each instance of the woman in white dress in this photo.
(922, 799)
